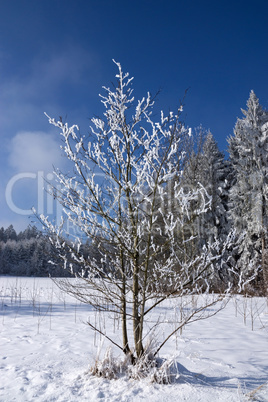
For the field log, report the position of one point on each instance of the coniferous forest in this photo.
(26, 253)
(237, 187)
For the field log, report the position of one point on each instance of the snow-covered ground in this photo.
(46, 350)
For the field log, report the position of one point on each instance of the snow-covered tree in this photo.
(29, 233)
(214, 171)
(9, 257)
(248, 149)
(191, 178)
(10, 233)
(2, 235)
(117, 199)
(207, 166)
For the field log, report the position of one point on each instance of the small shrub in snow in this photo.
(107, 367)
(146, 367)
(159, 371)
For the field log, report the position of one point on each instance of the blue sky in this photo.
(56, 55)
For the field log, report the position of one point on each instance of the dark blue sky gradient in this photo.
(56, 55)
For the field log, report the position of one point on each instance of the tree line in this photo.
(31, 253)
(26, 253)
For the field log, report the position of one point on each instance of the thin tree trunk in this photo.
(137, 328)
(126, 348)
(264, 251)
(265, 270)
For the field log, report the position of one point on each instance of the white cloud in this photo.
(56, 84)
(34, 151)
(31, 159)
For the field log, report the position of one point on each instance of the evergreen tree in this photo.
(9, 257)
(2, 235)
(188, 234)
(207, 167)
(10, 233)
(29, 232)
(213, 173)
(248, 149)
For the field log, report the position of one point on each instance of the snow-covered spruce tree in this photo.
(214, 172)
(217, 174)
(189, 181)
(248, 149)
(206, 165)
(187, 239)
(116, 198)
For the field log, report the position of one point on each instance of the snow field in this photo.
(46, 350)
